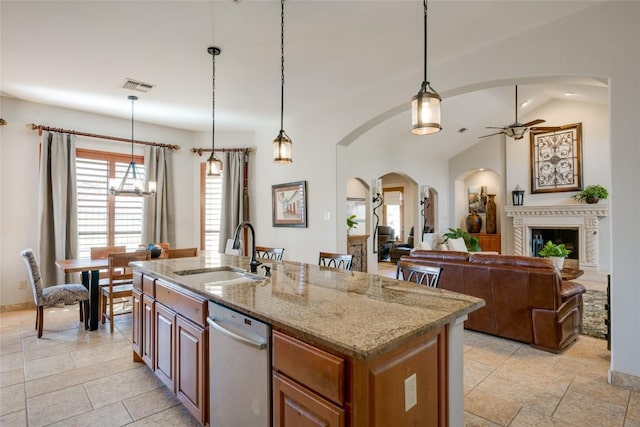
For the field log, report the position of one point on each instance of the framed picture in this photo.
(556, 159)
(289, 204)
(357, 206)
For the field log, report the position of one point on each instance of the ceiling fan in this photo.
(516, 130)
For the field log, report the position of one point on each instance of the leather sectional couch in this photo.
(526, 298)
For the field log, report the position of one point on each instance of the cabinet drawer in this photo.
(137, 280)
(194, 309)
(148, 285)
(314, 368)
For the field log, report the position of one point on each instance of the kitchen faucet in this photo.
(253, 263)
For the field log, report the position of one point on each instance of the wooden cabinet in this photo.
(357, 246)
(295, 406)
(164, 348)
(191, 376)
(489, 242)
(136, 324)
(169, 335)
(314, 387)
(148, 331)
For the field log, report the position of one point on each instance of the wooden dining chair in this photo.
(120, 282)
(341, 261)
(417, 273)
(99, 252)
(269, 253)
(51, 295)
(181, 252)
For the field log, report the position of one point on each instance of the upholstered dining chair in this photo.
(120, 282)
(269, 253)
(52, 295)
(417, 273)
(341, 261)
(181, 252)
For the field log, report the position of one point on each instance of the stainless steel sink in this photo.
(218, 275)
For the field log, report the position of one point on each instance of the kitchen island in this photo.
(349, 348)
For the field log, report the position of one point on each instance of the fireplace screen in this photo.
(556, 157)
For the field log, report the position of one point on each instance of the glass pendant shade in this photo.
(214, 165)
(282, 149)
(425, 111)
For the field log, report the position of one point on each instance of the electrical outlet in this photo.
(410, 393)
(22, 284)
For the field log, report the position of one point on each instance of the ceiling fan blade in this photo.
(496, 127)
(533, 122)
(546, 128)
(491, 134)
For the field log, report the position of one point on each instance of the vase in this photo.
(474, 222)
(558, 261)
(492, 226)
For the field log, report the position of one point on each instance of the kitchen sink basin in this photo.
(218, 275)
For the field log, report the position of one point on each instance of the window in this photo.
(105, 220)
(394, 210)
(210, 209)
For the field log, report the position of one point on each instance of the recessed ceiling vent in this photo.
(137, 85)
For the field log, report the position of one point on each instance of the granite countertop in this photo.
(357, 314)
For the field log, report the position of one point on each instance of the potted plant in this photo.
(592, 194)
(351, 224)
(556, 253)
(470, 241)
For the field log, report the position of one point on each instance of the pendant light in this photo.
(131, 185)
(282, 143)
(425, 106)
(214, 165)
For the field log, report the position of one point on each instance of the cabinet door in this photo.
(164, 349)
(190, 373)
(295, 406)
(136, 324)
(148, 331)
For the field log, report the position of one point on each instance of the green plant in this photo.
(470, 241)
(596, 191)
(350, 222)
(551, 249)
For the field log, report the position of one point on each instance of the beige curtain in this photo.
(159, 212)
(235, 200)
(57, 204)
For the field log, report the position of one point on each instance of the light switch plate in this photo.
(410, 393)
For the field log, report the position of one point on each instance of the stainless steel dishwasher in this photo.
(239, 369)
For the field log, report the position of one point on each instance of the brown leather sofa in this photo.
(526, 298)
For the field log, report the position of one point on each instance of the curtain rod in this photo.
(40, 128)
(199, 151)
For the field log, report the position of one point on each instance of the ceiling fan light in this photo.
(282, 148)
(517, 132)
(425, 111)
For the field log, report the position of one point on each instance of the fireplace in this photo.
(580, 219)
(567, 236)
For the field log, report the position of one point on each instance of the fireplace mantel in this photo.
(584, 217)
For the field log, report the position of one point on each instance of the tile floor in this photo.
(72, 377)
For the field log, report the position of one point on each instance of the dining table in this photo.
(90, 269)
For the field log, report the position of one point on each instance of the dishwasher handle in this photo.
(218, 327)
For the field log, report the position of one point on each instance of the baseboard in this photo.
(18, 306)
(624, 380)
